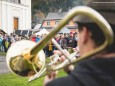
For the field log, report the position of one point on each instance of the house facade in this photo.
(15, 15)
(52, 19)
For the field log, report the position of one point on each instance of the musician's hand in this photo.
(68, 69)
(57, 52)
(49, 78)
(62, 58)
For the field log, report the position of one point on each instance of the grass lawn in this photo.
(14, 80)
(2, 53)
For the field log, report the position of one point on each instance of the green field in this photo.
(11, 79)
(2, 53)
(14, 80)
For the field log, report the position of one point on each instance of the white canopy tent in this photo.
(64, 30)
(42, 31)
(37, 26)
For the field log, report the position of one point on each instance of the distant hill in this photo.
(40, 8)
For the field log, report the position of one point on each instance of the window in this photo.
(16, 20)
(56, 22)
(15, 1)
(48, 22)
(18, 1)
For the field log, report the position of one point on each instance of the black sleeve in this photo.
(64, 81)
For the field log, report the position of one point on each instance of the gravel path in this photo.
(3, 65)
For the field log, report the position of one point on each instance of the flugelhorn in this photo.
(30, 60)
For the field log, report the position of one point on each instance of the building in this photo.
(52, 19)
(15, 15)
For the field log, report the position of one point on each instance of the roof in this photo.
(69, 27)
(54, 15)
(64, 30)
(2, 31)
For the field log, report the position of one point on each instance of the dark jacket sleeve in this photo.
(64, 81)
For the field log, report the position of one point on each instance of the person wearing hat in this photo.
(98, 70)
(72, 41)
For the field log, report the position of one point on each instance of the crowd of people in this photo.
(66, 40)
(7, 40)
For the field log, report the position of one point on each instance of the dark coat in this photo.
(90, 72)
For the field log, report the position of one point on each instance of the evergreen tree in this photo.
(46, 6)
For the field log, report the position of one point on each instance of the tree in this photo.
(47, 6)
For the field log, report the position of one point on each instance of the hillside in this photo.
(40, 8)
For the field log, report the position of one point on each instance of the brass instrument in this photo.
(27, 59)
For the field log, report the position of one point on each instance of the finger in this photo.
(49, 78)
(62, 58)
(56, 52)
(68, 69)
(53, 75)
